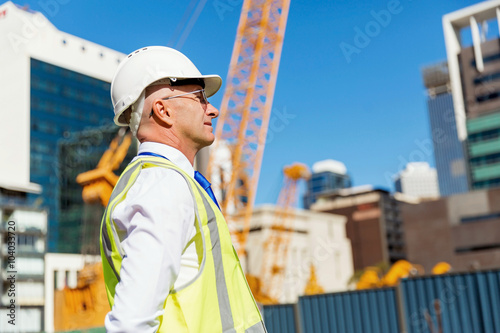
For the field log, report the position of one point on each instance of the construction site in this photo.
(320, 251)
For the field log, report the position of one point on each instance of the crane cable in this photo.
(186, 24)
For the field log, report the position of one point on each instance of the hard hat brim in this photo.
(212, 84)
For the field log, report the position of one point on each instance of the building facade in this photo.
(53, 84)
(311, 238)
(482, 105)
(79, 222)
(327, 176)
(22, 268)
(419, 180)
(374, 225)
(462, 230)
(475, 83)
(449, 151)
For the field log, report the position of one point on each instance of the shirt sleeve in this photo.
(158, 218)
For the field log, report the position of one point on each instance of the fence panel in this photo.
(373, 310)
(280, 318)
(466, 302)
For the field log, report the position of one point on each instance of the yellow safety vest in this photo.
(218, 299)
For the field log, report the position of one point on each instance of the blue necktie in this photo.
(204, 183)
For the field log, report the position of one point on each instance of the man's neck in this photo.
(190, 154)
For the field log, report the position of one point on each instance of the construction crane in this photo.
(266, 286)
(313, 287)
(246, 107)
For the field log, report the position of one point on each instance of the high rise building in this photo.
(327, 176)
(448, 149)
(52, 84)
(419, 180)
(475, 83)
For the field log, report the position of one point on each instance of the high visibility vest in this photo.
(218, 299)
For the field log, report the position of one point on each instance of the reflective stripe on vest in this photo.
(218, 299)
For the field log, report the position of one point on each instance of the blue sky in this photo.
(365, 106)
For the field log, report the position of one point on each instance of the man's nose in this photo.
(212, 111)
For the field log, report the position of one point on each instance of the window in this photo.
(480, 218)
(26, 240)
(485, 160)
(487, 183)
(487, 97)
(487, 59)
(484, 136)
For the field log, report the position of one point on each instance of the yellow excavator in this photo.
(86, 305)
(372, 276)
(99, 183)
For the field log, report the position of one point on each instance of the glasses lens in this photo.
(205, 99)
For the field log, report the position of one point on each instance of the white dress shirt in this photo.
(157, 221)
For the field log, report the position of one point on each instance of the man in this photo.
(169, 265)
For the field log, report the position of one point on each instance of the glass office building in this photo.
(322, 183)
(62, 102)
(448, 150)
(79, 222)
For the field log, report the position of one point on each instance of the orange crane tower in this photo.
(246, 105)
(275, 255)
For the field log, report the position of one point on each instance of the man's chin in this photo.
(207, 142)
(210, 141)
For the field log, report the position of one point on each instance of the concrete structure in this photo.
(316, 238)
(373, 226)
(326, 176)
(221, 170)
(23, 260)
(462, 230)
(52, 84)
(418, 180)
(475, 83)
(449, 151)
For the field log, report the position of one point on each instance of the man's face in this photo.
(193, 116)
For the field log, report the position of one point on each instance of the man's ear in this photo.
(162, 112)
(126, 115)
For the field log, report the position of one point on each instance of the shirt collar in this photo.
(174, 155)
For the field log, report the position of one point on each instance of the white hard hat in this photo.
(147, 65)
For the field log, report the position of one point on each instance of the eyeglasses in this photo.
(203, 101)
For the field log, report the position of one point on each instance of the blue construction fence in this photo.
(451, 303)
